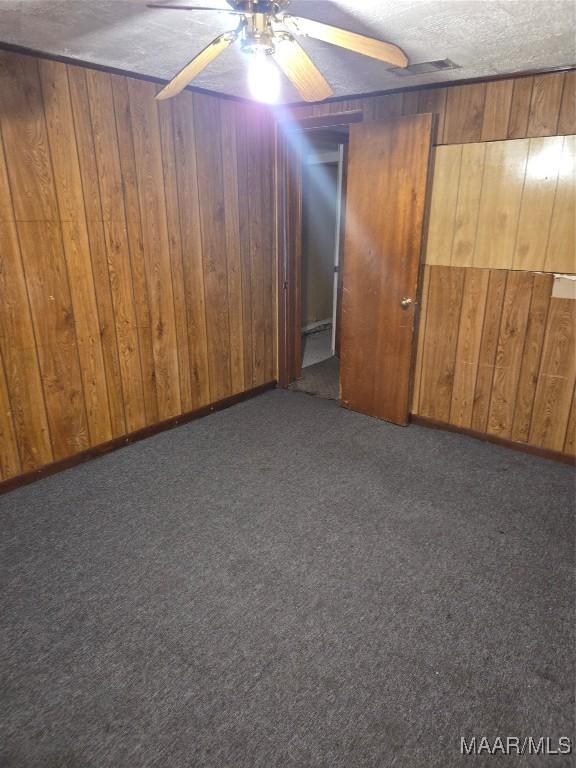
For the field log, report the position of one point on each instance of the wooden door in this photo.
(388, 166)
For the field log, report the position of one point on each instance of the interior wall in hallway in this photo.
(137, 256)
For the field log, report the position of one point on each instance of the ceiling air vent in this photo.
(424, 68)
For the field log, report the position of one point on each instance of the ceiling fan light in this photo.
(264, 78)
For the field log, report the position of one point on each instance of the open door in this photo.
(388, 165)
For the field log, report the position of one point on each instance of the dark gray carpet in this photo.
(321, 379)
(287, 584)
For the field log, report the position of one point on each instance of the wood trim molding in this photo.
(132, 437)
(319, 121)
(545, 453)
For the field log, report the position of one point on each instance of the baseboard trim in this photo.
(545, 453)
(132, 437)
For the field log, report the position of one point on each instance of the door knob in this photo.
(406, 302)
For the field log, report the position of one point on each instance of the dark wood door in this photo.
(388, 164)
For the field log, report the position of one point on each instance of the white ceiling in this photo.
(485, 37)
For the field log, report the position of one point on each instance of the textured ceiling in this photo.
(485, 37)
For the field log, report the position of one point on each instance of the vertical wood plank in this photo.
(213, 233)
(9, 457)
(545, 104)
(468, 204)
(232, 228)
(504, 170)
(138, 269)
(520, 107)
(62, 142)
(97, 245)
(536, 326)
(242, 140)
(173, 215)
(185, 149)
(567, 118)
(434, 100)
(496, 114)
(25, 139)
(570, 442)
(509, 353)
(117, 247)
(443, 203)
(561, 248)
(475, 291)
(421, 329)
(464, 113)
(52, 315)
(488, 347)
(150, 182)
(542, 168)
(442, 324)
(18, 349)
(555, 387)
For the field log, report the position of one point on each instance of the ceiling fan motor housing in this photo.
(268, 7)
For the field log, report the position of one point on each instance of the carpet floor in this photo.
(287, 584)
(321, 379)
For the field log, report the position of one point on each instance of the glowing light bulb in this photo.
(263, 78)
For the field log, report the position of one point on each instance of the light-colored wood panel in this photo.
(442, 324)
(25, 140)
(150, 182)
(561, 249)
(542, 168)
(468, 205)
(556, 377)
(532, 354)
(503, 181)
(496, 114)
(513, 325)
(443, 203)
(545, 104)
(475, 292)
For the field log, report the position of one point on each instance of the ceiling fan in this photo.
(268, 33)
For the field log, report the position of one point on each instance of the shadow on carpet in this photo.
(321, 379)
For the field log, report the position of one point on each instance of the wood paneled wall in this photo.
(495, 351)
(505, 205)
(137, 257)
(497, 354)
(513, 108)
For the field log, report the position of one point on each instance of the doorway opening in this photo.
(323, 174)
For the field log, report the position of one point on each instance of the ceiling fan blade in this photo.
(197, 64)
(367, 46)
(301, 71)
(179, 7)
